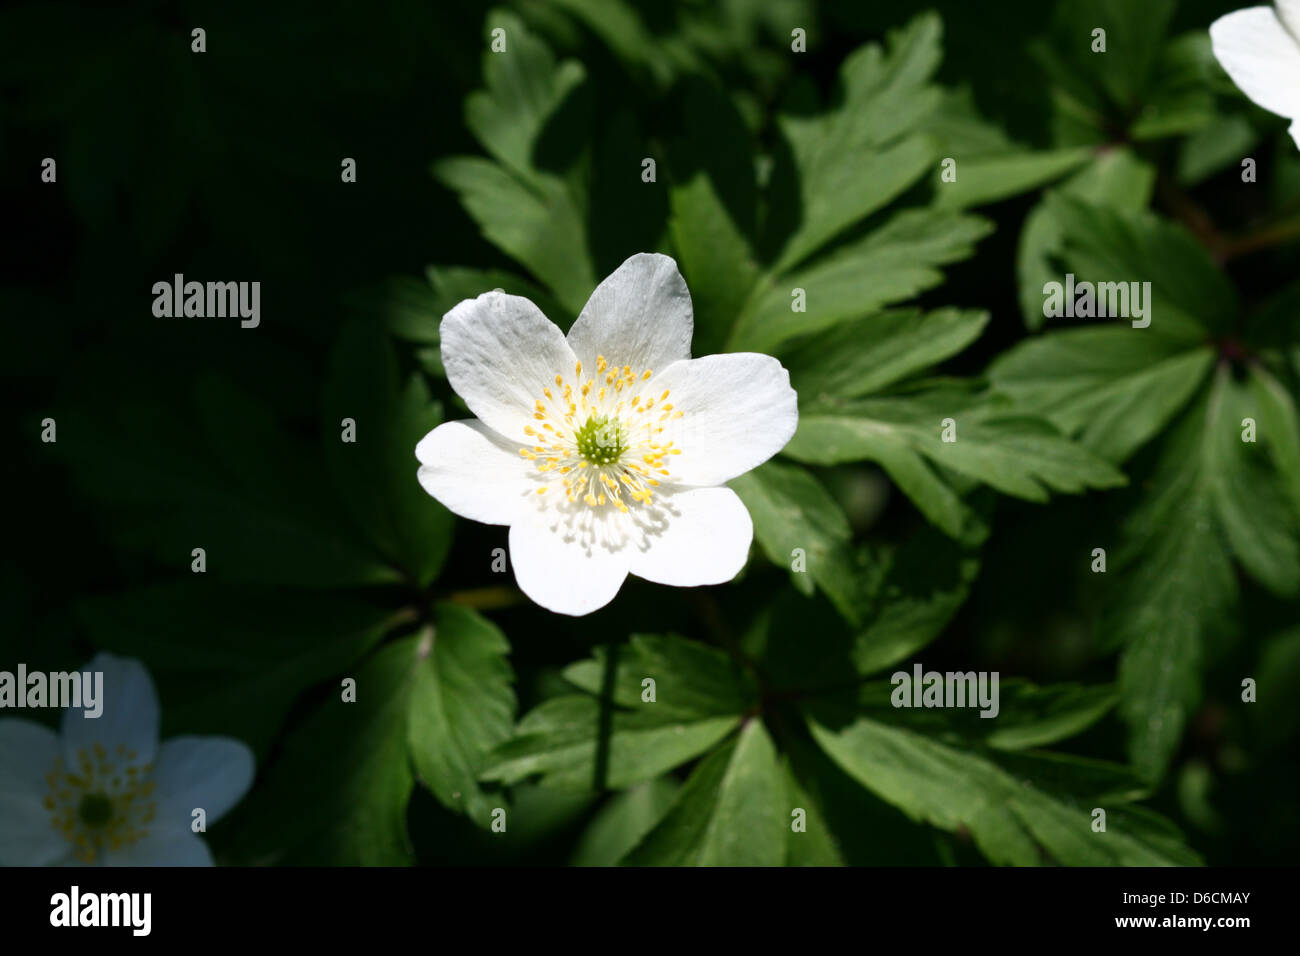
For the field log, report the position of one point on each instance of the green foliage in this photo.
(807, 201)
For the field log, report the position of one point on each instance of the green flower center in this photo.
(95, 810)
(602, 441)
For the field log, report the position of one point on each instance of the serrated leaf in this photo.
(1031, 716)
(1172, 583)
(730, 812)
(537, 223)
(858, 358)
(791, 510)
(1113, 388)
(853, 160)
(814, 844)
(921, 586)
(1116, 178)
(892, 600)
(1189, 296)
(1257, 517)
(715, 258)
(337, 792)
(989, 166)
(620, 824)
(580, 743)
(1095, 91)
(889, 264)
(1011, 714)
(462, 705)
(1216, 146)
(1018, 455)
(692, 680)
(1279, 428)
(1178, 98)
(1020, 809)
(524, 87)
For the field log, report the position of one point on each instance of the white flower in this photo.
(604, 452)
(1259, 47)
(104, 792)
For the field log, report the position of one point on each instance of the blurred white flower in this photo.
(604, 452)
(103, 791)
(1259, 47)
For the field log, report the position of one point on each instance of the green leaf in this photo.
(989, 165)
(1031, 716)
(1256, 515)
(538, 223)
(1172, 585)
(889, 264)
(461, 707)
(985, 179)
(892, 601)
(621, 29)
(791, 510)
(1114, 389)
(1279, 428)
(922, 584)
(1018, 455)
(814, 845)
(1179, 99)
(337, 793)
(1094, 93)
(1116, 178)
(1021, 810)
(1276, 718)
(851, 161)
(580, 743)
(621, 823)
(730, 812)
(692, 680)
(1215, 147)
(858, 358)
(864, 830)
(1189, 297)
(375, 475)
(524, 88)
(715, 258)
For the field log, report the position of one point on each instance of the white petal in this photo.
(574, 560)
(476, 473)
(28, 752)
(208, 773)
(1288, 11)
(639, 316)
(703, 538)
(738, 411)
(1261, 56)
(163, 847)
(500, 352)
(129, 716)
